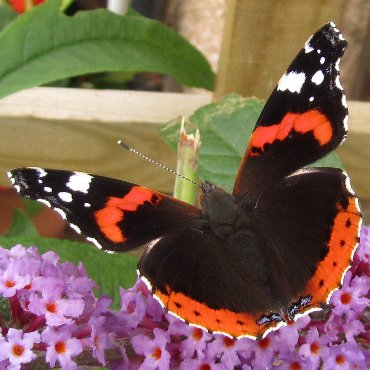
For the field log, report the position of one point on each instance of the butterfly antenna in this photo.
(127, 147)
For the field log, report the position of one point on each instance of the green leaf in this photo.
(225, 128)
(224, 131)
(110, 271)
(21, 225)
(44, 45)
(32, 206)
(330, 160)
(7, 15)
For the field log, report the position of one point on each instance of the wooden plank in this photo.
(261, 37)
(78, 129)
(86, 146)
(28, 138)
(100, 105)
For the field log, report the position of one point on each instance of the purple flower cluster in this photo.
(55, 317)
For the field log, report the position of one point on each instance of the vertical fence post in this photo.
(260, 39)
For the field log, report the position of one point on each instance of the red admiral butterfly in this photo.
(250, 261)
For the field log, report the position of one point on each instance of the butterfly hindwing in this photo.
(310, 224)
(206, 284)
(303, 120)
(115, 215)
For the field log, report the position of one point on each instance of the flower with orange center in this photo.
(17, 349)
(340, 360)
(153, 349)
(20, 6)
(346, 298)
(157, 353)
(315, 347)
(61, 346)
(11, 281)
(197, 334)
(264, 343)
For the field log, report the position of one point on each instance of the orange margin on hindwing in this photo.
(217, 321)
(342, 245)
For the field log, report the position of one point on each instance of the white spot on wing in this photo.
(79, 181)
(292, 81)
(311, 98)
(87, 205)
(228, 335)
(318, 78)
(39, 181)
(358, 208)
(318, 51)
(151, 244)
(348, 183)
(65, 197)
(313, 309)
(145, 281)
(75, 228)
(345, 122)
(44, 201)
(10, 176)
(337, 64)
(307, 47)
(40, 171)
(337, 82)
(48, 189)
(18, 188)
(322, 60)
(94, 241)
(61, 212)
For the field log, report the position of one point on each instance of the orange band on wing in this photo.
(312, 120)
(342, 243)
(221, 320)
(113, 213)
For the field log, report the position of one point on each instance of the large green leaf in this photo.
(45, 45)
(225, 128)
(7, 15)
(224, 131)
(21, 226)
(110, 271)
(32, 206)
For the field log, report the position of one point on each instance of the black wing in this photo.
(113, 214)
(303, 120)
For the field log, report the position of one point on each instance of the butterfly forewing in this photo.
(303, 120)
(115, 215)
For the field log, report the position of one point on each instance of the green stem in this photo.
(187, 166)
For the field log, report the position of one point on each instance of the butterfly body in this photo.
(244, 263)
